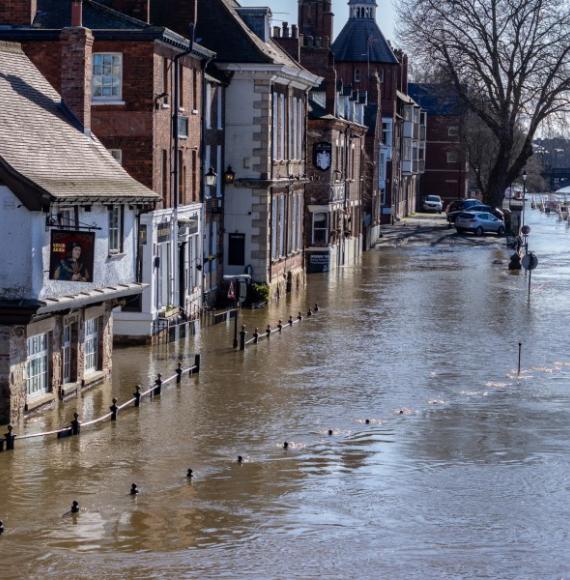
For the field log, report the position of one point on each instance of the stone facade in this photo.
(15, 402)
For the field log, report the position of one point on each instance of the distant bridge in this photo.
(557, 177)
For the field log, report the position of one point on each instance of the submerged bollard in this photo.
(197, 362)
(316, 308)
(75, 425)
(309, 312)
(75, 507)
(268, 331)
(1, 445)
(134, 489)
(330, 431)
(290, 321)
(286, 445)
(189, 474)
(240, 459)
(114, 410)
(10, 438)
(280, 326)
(242, 336)
(179, 373)
(137, 396)
(299, 316)
(1, 527)
(256, 336)
(158, 385)
(520, 356)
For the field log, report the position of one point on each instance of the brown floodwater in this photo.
(472, 480)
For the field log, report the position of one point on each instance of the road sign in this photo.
(530, 262)
(231, 292)
(525, 230)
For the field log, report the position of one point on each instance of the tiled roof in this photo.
(362, 40)
(436, 99)
(43, 147)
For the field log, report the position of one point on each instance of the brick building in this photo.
(266, 106)
(126, 87)
(69, 219)
(447, 161)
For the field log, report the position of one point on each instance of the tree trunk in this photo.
(498, 180)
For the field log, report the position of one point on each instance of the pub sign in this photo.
(72, 256)
(322, 155)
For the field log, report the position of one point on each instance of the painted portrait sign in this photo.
(72, 256)
(322, 156)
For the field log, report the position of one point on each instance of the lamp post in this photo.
(524, 176)
(211, 177)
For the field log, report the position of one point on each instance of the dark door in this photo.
(236, 250)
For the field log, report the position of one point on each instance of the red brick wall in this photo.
(46, 56)
(20, 12)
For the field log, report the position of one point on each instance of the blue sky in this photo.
(287, 10)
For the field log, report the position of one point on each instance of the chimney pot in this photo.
(294, 31)
(285, 30)
(276, 32)
(77, 13)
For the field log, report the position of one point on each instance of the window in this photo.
(210, 93)
(116, 229)
(67, 217)
(195, 169)
(194, 90)
(453, 131)
(91, 345)
(180, 87)
(37, 365)
(117, 155)
(165, 83)
(320, 229)
(356, 75)
(107, 77)
(236, 250)
(282, 225)
(164, 174)
(67, 353)
(275, 127)
(182, 127)
(207, 165)
(452, 157)
(282, 126)
(274, 226)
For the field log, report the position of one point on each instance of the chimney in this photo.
(276, 32)
(76, 72)
(285, 30)
(76, 13)
(18, 12)
(139, 9)
(294, 31)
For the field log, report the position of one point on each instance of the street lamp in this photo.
(211, 177)
(229, 176)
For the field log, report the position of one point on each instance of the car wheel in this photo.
(460, 230)
(479, 231)
(501, 231)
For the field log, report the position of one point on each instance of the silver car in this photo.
(433, 203)
(479, 222)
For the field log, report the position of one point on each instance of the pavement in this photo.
(431, 229)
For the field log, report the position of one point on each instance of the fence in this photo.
(269, 331)
(76, 427)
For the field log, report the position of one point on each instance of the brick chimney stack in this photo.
(136, 8)
(77, 67)
(18, 12)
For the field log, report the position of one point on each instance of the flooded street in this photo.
(472, 480)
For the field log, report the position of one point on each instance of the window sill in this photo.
(195, 112)
(118, 256)
(114, 103)
(39, 401)
(93, 378)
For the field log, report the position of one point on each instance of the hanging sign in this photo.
(72, 256)
(322, 156)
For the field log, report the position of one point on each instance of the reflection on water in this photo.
(460, 471)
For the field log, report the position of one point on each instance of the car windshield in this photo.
(433, 198)
(471, 202)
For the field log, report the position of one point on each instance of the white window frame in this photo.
(66, 352)
(108, 98)
(282, 126)
(37, 365)
(115, 217)
(275, 126)
(324, 228)
(91, 345)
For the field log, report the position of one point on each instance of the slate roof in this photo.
(436, 99)
(359, 37)
(44, 153)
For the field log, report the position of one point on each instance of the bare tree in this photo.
(509, 60)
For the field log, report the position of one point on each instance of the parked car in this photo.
(433, 203)
(457, 206)
(487, 208)
(479, 222)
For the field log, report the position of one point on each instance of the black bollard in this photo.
(256, 336)
(290, 321)
(75, 507)
(179, 373)
(299, 316)
(242, 336)
(190, 474)
(197, 361)
(134, 489)
(65, 434)
(1, 527)
(240, 459)
(367, 421)
(75, 425)
(309, 312)
(268, 331)
(316, 308)
(330, 431)
(158, 385)
(10, 438)
(286, 445)
(1, 445)
(280, 326)
(114, 410)
(520, 357)
(137, 396)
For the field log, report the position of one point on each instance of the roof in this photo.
(44, 153)
(437, 99)
(361, 40)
